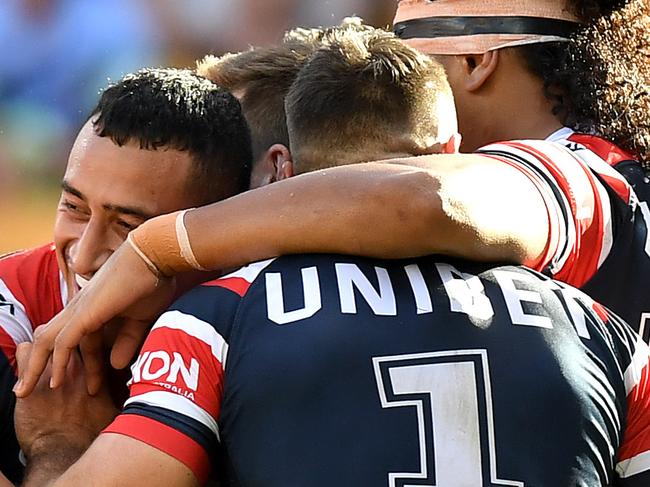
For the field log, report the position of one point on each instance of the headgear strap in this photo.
(475, 27)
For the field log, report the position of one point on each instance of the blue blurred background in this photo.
(58, 54)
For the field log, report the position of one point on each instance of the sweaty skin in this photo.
(394, 209)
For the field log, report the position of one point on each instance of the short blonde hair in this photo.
(362, 88)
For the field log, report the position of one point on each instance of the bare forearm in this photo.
(354, 210)
(376, 209)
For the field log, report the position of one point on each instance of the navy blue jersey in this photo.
(341, 371)
(625, 271)
(627, 267)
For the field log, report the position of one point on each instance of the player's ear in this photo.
(282, 161)
(452, 146)
(270, 166)
(478, 68)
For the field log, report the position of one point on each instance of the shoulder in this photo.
(215, 303)
(21, 270)
(240, 281)
(28, 260)
(30, 280)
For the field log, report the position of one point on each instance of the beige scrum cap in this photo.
(475, 27)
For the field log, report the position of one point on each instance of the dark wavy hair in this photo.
(599, 82)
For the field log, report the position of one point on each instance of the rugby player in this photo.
(564, 212)
(330, 370)
(260, 78)
(158, 140)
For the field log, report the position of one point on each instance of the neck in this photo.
(312, 160)
(514, 108)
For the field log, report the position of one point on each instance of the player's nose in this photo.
(89, 252)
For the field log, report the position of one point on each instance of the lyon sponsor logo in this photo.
(160, 367)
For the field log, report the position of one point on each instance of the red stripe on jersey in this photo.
(601, 311)
(33, 278)
(612, 155)
(238, 285)
(8, 349)
(636, 439)
(153, 371)
(608, 152)
(165, 439)
(583, 261)
(621, 187)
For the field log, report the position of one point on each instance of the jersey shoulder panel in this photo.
(31, 280)
(216, 301)
(603, 156)
(177, 382)
(30, 295)
(606, 150)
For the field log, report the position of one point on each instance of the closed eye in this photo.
(68, 205)
(127, 226)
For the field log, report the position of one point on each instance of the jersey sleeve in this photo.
(633, 458)
(15, 325)
(15, 328)
(177, 382)
(577, 201)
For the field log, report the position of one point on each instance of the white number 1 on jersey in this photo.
(452, 396)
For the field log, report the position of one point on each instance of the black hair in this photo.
(178, 109)
(599, 80)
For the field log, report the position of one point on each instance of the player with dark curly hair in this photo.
(603, 73)
(599, 81)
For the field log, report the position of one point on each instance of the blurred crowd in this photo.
(58, 54)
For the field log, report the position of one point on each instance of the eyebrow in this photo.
(125, 210)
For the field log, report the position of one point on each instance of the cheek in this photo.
(66, 231)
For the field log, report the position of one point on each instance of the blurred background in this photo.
(59, 54)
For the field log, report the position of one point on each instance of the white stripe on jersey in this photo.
(608, 232)
(561, 136)
(195, 328)
(640, 360)
(16, 324)
(593, 161)
(633, 466)
(250, 272)
(177, 404)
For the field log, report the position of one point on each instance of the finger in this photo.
(37, 361)
(23, 350)
(60, 359)
(91, 348)
(68, 339)
(128, 341)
